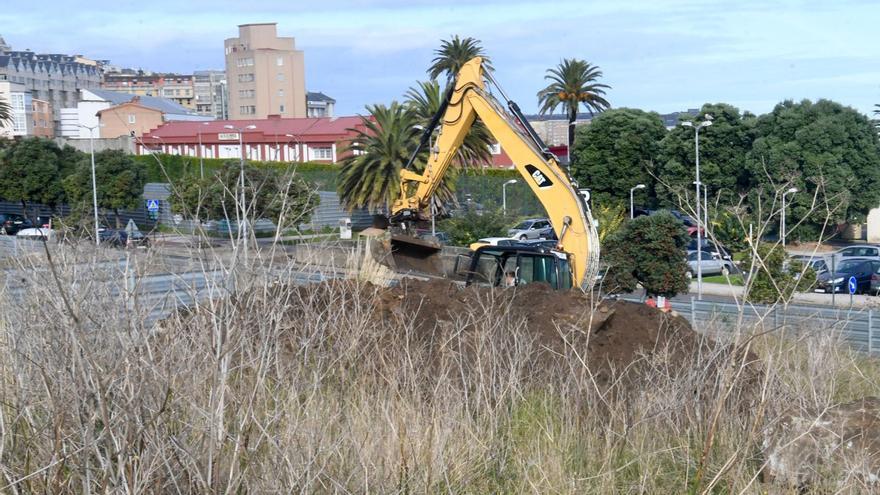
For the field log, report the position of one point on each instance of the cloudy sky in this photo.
(656, 54)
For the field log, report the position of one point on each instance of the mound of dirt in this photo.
(607, 334)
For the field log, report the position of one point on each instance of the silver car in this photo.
(710, 264)
(535, 228)
(855, 251)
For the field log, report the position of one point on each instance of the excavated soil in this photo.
(610, 336)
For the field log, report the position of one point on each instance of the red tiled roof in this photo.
(330, 127)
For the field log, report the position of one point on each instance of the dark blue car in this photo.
(862, 269)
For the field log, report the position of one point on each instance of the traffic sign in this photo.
(852, 285)
(153, 205)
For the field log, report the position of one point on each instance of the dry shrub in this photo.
(283, 388)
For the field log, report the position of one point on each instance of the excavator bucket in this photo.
(404, 253)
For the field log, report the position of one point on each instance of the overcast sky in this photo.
(657, 55)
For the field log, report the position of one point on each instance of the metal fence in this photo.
(857, 325)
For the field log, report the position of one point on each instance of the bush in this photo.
(473, 225)
(648, 250)
(770, 281)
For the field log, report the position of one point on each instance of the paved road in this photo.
(728, 294)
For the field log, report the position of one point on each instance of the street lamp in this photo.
(201, 153)
(705, 207)
(631, 207)
(94, 181)
(240, 130)
(504, 194)
(782, 224)
(697, 127)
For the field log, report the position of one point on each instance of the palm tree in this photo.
(5, 111)
(572, 83)
(425, 99)
(369, 178)
(453, 54)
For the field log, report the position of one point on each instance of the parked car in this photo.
(688, 221)
(817, 263)
(11, 223)
(854, 251)
(710, 265)
(123, 239)
(863, 269)
(534, 228)
(37, 234)
(710, 247)
(494, 241)
(544, 243)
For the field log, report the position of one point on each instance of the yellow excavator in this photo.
(575, 260)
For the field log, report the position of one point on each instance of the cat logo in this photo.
(540, 179)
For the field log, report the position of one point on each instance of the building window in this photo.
(281, 109)
(245, 78)
(247, 110)
(279, 61)
(246, 93)
(245, 62)
(281, 93)
(280, 77)
(169, 92)
(131, 118)
(323, 153)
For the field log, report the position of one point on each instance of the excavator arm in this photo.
(558, 193)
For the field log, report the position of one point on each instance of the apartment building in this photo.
(44, 126)
(176, 87)
(54, 78)
(265, 74)
(211, 93)
(319, 104)
(21, 106)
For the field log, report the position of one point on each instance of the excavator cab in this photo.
(515, 266)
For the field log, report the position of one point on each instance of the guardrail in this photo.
(858, 326)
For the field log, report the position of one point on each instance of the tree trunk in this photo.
(24, 208)
(572, 120)
(116, 214)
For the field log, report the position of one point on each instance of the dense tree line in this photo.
(829, 152)
(37, 170)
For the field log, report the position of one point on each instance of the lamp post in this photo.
(782, 224)
(201, 154)
(243, 220)
(697, 127)
(631, 207)
(705, 207)
(94, 181)
(504, 194)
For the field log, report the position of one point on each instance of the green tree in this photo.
(770, 281)
(425, 99)
(454, 53)
(648, 250)
(827, 151)
(30, 172)
(617, 151)
(270, 193)
(573, 83)
(723, 149)
(472, 226)
(120, 182)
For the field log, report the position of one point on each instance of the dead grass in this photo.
(239, 397)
